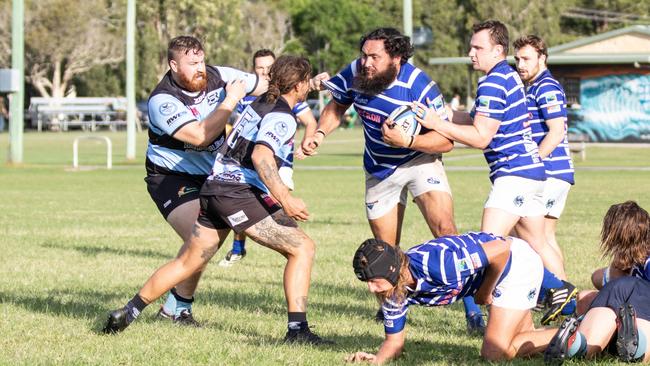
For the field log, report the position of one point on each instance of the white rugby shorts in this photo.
(520, 288)
(517, 195)
(556, 192)
(420, 175)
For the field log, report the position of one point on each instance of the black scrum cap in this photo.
(376, 259)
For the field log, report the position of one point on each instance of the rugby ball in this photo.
(404, 118)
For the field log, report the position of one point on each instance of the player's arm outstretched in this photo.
(203, 133)
(265, 165)
(391, 348)
(497, 253)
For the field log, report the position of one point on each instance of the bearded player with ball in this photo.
(382, 84)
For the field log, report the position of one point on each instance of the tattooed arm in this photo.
(264, 162)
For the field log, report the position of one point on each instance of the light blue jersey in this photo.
(171, 107)
(512, 151)
(411, 84)
(270, 124)
(446, 269)
(546, 101)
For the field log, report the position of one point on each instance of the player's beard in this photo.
(197, 83)
(376, 84)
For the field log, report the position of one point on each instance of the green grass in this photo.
(76, 244)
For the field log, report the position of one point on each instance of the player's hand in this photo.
(426, 116)
(299, 155)
(236, 89)
(361, 357)
(450, 112)
(394, 136)
(311, 143)
(295, 208)
(315, 82)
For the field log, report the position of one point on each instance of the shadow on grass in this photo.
(93, 251)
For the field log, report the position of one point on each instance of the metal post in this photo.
(130, 80)
(16, 105)
(407, 13)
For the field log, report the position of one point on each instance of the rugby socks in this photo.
(238, 246)
(297, 321)
(578, 348)
(642, 345)
(182, 303)
(169, 308)
(134, 307)
(471, 309)
(549, 281)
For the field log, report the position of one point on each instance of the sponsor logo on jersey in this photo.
(195, 112)
(273, 137)
(476, 260)
(551, 98)
(518, 201)
(237, 218)
(167, 108)
(463, 265)
(370, 116)
(185, 190)
(360, 100)
(173, 118)
(281, 128)
(554, 109)
(433, 180)
(388, 323)
(438, 103)
(214, 96)
(200, 98)
(483, 103)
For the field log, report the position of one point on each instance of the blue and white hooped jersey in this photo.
(446, 269)
(298, 109)
(171, 107)
(411, 84)
(642, 271)
(512, 151)
(546, 101)
(269, 124)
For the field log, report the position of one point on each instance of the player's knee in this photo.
(491, 351)
(445, 227)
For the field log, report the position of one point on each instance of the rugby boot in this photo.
(305, 336)
(627, 339)
(475, 324)
(558, 348)
(117, 321)
(185, 318)
(231, 258)
(558, 298)
(162, 314)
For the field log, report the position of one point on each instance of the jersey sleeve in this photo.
(341, 85)
(426, 91)
(229, 74)
(300, 108)
(394, 316)
(490, 99)
(551, 102)
(275, 130)
(168, 114)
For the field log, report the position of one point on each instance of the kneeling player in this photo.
(505, 273)
(241, 195)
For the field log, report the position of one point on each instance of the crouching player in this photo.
(505, 273)
(245, 193)
(620, 312)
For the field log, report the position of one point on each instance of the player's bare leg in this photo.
(531, 229)
(438, 211)
(282, 234)
(550, 227)
(389, 226)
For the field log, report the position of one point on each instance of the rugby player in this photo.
(497, 125)
(620, 312)
(262, 61)
(547, 107)
(245, 193)
(503, 273)
(188, 110)
(377, 83)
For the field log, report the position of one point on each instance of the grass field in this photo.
(76, 244)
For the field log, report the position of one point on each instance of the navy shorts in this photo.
(235, 206)
(169, 191)
(633, 290)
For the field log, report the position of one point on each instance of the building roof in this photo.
(631, 45)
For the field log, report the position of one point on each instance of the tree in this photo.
(67, 38)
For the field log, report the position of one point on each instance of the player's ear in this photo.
(173, 65)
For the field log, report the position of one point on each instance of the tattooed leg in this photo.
(281, 233)
(203, 244)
